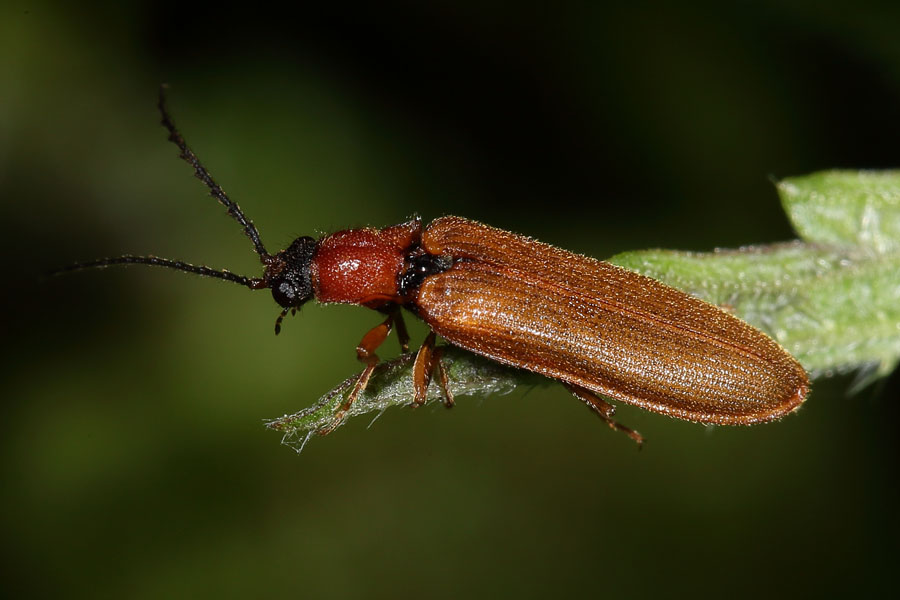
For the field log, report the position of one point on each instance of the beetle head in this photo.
(288, 273)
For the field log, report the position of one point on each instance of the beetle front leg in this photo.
(604, 410)
(365, 352)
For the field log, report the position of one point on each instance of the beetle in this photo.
(601, 330)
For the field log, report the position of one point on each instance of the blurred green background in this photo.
(134, 458)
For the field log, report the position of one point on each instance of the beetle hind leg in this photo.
(604, 410)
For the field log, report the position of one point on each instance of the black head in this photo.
(288, 273)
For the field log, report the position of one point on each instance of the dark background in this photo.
(134, 459)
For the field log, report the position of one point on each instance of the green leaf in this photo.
(855, 208)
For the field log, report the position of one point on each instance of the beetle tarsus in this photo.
(339, 415)
(361, 382)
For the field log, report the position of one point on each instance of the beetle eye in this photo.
(285, 293)
(291, 292)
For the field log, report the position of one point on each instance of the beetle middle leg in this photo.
(604, 410)
(428, 360)
(402, 333)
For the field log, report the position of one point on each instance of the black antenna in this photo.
(252, 283)
(216, 192)
(203, 175)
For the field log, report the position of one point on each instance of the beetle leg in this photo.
(428, 360)
(402, 333)
(423, 369)
(604, 410)
(365, 352)
(444, 378)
